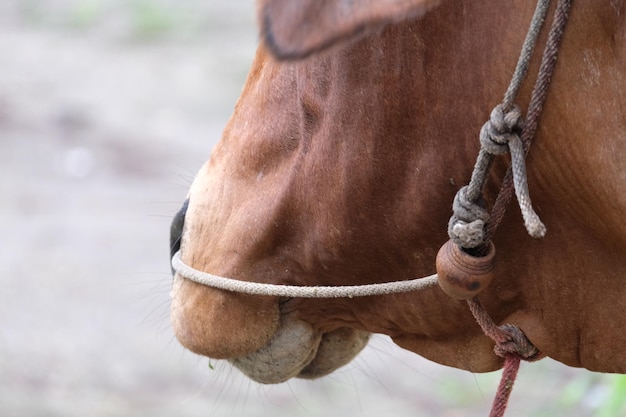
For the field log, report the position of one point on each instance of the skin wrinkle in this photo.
(357, 147)
(566, 180)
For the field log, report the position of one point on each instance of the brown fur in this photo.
(341, 169)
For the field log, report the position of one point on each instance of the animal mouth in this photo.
(297, 350)
(266, 345)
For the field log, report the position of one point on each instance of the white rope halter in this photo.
(296, 291)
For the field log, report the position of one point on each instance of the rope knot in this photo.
(509, 339)
(499, 135)
(512, 340)
(467, 224)
(497, 132)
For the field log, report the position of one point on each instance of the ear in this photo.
(293, 29)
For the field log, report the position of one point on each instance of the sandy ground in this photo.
(101, 134)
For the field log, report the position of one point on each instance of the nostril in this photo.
(176, 230)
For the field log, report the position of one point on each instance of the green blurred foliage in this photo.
(615, 403)
(85, 13)
(126, 19)
(151, 18)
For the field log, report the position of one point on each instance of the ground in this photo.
(107, 109)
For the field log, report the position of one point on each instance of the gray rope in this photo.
(534, 226)
(540, 90)
(500, 135)
(527, 51)
(296, 291)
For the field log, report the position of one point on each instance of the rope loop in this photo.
(500, 129)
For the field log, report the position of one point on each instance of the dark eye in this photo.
(176, 230)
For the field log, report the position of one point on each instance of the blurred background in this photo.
(107, 109)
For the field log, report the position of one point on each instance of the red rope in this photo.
(511, 344)
(509, 373)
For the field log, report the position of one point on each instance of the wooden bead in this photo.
(461, 275)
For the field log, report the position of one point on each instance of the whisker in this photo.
(357, 393)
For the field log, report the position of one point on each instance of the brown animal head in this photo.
(340, 169)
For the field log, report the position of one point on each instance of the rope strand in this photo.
(296, 291)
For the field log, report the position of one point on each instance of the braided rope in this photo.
(296, 291)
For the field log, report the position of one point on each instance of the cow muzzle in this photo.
(249, 331)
